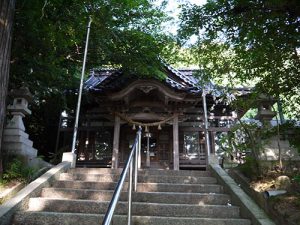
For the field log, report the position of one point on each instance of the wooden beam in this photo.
(158, 86)
(146, 116)
(216, 129)
(101, 124)
(175, 144)
(145, 103)
(115, 156)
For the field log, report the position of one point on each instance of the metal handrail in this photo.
(134, 155)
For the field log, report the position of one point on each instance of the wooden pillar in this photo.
(115, 156)
(175, 144)
(213, 142)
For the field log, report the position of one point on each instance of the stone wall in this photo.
(271, 151)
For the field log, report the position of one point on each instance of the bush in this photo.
(18, 170)
(297, 178)
(249, 168)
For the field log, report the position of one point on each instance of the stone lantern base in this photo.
(16, 141)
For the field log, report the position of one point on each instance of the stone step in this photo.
(141, 178)
(138, 208)
(93, 164)
(187, 188)
(142, 187)
(54, 218)
(148, 172)
(154, 197)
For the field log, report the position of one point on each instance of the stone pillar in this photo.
(115, 155)
(212, 157)
(213, 160)
(175, 144)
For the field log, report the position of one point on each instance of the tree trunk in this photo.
(6, 22)
(278, 139)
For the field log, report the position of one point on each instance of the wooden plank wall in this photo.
(6, 24)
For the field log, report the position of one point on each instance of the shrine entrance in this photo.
(155, 149)
(149, 149)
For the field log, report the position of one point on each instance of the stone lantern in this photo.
(19, 107)
(265, 112)
(15, 139)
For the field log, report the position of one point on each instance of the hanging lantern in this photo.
(133, 127)
(159, 127)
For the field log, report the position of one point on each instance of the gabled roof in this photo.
(182, 80)
(112, 79)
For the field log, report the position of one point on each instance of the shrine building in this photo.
(171, 112)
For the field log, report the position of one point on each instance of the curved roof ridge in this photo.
(179, 74)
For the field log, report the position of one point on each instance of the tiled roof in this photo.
(103, 79)
(184, 75)
(178, 79)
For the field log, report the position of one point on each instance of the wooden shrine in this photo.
(170, 112)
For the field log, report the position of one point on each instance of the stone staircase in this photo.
(164, 197)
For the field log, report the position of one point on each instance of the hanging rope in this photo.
(153, 124)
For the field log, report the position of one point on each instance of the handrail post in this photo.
(139, 149)
(135, 168)
(127, 168)
(130, 193)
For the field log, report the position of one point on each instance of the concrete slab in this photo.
(10, 192)
(249, 209)
(69, 157)
(20, 201)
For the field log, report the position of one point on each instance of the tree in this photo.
(249, 40)
(49, 41)
(6, 21)
(48, 50)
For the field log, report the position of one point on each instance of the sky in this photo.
(174, 10)
(175, 3)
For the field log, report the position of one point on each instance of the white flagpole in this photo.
(206, 122)
(81, 87)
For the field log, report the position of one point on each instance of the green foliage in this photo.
(249, 42)
(249, 167)
(245, 138)
(250, 114)
(48, 45)
(18, 170)
(292, 132)
(297, 179)
(49, 39)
